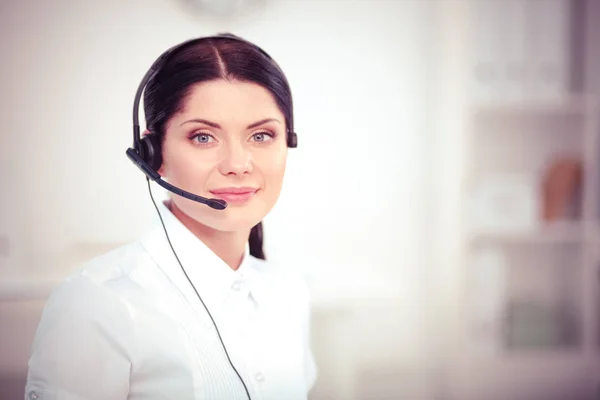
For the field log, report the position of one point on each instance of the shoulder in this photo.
(88, 330)
(91, 299)
(97, 284)
(109, 271)
(116, 264)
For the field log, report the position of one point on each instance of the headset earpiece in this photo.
(150, 151)
(292, 140)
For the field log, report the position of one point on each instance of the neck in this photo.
(228, 246)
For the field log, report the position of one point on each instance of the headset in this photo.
(146, 155)
(146, 151)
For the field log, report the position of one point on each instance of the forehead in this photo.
(224, 101)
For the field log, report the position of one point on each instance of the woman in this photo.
(192, 310)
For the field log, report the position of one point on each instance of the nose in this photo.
(237, 160)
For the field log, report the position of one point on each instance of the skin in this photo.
(199, 157)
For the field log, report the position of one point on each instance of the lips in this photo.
(235, 195)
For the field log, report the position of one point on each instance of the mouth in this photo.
(234, 195)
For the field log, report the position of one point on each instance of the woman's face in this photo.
(229, 143)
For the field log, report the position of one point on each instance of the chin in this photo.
(233, 218)
(230, 224)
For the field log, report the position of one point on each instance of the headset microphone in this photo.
(217, 204)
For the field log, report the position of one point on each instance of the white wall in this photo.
(352, 211)
(592, 50)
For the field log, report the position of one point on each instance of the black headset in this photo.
(146, 152)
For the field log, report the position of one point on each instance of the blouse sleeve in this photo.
(82, 346)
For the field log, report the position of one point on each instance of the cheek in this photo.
(186, 169)
(274, 169)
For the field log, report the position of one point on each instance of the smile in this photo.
(236, 196)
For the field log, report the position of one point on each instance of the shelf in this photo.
(554, 375)
(553, 363)
(550, 234)
(557, 365)
(564, 355)
(577, 105)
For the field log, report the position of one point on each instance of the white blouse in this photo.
(128, 325)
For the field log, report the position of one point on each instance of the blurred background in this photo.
(443, 203)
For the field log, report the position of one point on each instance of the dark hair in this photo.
(218, 57)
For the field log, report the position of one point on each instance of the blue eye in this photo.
(202, 138)
(263, 136)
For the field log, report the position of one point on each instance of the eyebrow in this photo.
(215, 125)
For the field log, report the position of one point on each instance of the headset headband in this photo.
(157, 65)
(146, 153)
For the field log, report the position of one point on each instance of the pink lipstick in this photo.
(235, 195)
